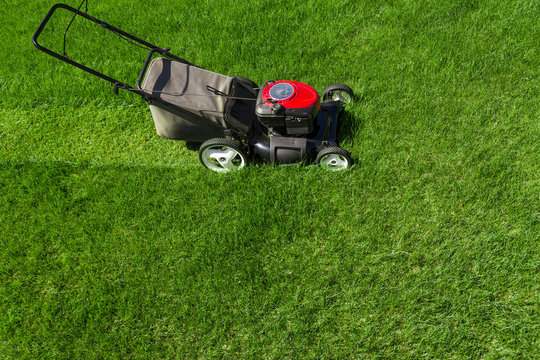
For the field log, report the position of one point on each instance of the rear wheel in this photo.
(222, 155)
(334, 158)
(338, 92)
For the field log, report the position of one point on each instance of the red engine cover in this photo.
(291, 95)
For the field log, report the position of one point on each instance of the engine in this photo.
(287, 107)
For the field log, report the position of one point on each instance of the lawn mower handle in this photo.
(164, 51)
(117, 84)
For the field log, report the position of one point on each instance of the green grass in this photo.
(117, 243)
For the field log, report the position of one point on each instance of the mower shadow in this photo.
(193, 146)
(348, 127)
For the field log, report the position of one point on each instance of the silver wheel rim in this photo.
(334, 162)
(341, 96)
(222, 158)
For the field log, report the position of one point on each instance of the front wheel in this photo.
(338, 92)
(334, 158)
(222, 155)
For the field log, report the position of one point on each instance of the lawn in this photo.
(117, 243)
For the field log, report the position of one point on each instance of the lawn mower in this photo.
(235, 120)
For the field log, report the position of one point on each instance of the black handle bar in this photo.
(146, 62)
(117, 84)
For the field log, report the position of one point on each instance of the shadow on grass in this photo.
(193, 146)
(348, 127)
(168, 197)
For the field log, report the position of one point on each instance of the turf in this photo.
(117, 243)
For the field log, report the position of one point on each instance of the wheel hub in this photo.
(222, 158)
(334, 162)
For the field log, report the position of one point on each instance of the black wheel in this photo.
(222, 155)
(334, 158)
(338, 92)
(248, 82)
